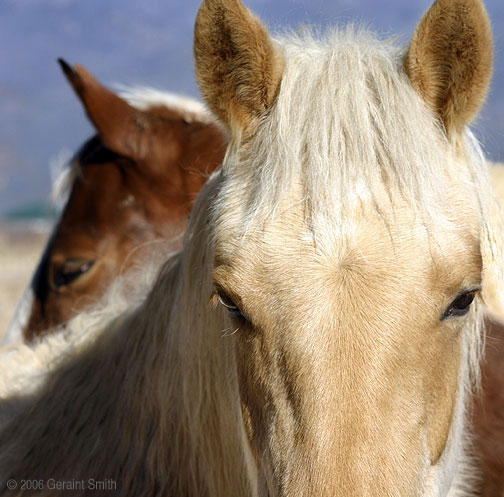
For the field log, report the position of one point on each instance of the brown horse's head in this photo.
(133, 182)
(353, 237)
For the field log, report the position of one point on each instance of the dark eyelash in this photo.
(461, 305)
(233, 310)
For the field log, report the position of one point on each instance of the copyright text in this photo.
(53, 484)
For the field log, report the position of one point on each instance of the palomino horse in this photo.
(319, 333)
(133, 183)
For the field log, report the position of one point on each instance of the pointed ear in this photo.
(119, 125)
(239, 67)
(450, 58)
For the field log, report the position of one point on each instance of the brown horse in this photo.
(132, 184)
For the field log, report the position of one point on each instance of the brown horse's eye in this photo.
(461, 305)
(70, 270)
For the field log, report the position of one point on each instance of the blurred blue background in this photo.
(148, 42)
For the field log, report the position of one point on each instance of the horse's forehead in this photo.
(368, 243)
(100, 204)
(105, 187)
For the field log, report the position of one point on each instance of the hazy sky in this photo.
(147, 42)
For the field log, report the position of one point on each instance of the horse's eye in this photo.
(460, 305)
(70, 270)
(231, 307)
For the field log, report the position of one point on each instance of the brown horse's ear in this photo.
(450, 58)
(238, 65)
(121, 127)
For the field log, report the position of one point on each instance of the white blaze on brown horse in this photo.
(319, 334)
(134, 183)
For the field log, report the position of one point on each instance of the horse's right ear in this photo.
(119, 125)
(239, 67)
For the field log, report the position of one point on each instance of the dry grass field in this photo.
(20, 250)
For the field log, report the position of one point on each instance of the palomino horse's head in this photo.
(353, 241)
(133, 182)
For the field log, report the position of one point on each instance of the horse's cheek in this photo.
(253, 363)
(445, 391)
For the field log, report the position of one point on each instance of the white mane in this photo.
(145, 98)
(62, 178)
(346, 119)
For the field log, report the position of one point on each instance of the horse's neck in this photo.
(201, 382)
(100, 397)
(188, 365)
(154, 394)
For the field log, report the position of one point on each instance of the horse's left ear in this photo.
(239, 66)
(121, 127)
(450, 59)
